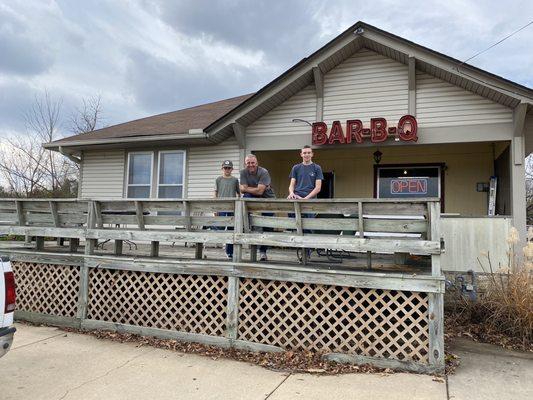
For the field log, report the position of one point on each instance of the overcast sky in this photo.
(153, 56)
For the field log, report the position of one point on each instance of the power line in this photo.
(497, 43)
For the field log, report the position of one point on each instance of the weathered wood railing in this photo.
(357, 225)
(389, 319)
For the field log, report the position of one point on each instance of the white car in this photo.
(7, 305)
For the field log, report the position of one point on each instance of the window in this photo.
(408, 182)
(139, 175)
(170, 176)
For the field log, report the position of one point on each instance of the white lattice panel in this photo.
(47, 288)
(370, 322)
(186, 303)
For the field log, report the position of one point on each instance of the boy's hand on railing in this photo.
(293, 196)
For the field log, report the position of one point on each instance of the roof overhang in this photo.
(182, 139)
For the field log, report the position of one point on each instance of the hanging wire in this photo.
(497, 43)
(457, 68)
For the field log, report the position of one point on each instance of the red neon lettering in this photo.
(354, 128)
(378, 130)
(319, 136)
(408, 128)
(407, 131)
(336, 134)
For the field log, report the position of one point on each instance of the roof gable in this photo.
(364, 36)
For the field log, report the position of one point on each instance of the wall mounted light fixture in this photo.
(377, 156)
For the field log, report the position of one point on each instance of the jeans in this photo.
(229, 246)
(263, 248)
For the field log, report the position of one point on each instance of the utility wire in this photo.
(497, 43)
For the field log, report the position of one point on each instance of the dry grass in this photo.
(503, 314)
(507, 306)
(503, 311)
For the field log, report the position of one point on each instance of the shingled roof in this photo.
(175, 122)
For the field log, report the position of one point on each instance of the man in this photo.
(255, 182)
(227, 185)
(305, 182)
(306, 177)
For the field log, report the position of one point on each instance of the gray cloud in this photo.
(21, 53)
(15, 99)
(284, 30)
(159, 84)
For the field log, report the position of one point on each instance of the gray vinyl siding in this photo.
(278, 121)
(439, 103)
(102, 174)
(366, 85)
(204, 165)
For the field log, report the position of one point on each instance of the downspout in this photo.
(69, 156)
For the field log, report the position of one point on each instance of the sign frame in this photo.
(441, 173)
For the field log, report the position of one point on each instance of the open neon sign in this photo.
(409, 186)
(355, 132)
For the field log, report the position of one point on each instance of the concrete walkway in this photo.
(47, 363)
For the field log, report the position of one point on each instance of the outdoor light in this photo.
(377, 156)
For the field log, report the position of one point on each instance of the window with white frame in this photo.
(171, 168)
(139, 175)
(168, 178)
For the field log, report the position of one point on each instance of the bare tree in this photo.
(31, 171)
(21, 162)
(42, 123)
(88, 117)
(529, 180)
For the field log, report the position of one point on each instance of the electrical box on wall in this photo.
(482, 187)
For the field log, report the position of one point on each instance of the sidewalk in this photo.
(47, 363)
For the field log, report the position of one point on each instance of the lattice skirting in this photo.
(370, 322)
(47, 288)
(379, 323)
(186, 303)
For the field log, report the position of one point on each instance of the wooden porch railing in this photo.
(356, 225)
(385, 318)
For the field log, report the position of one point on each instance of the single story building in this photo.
(386, 117)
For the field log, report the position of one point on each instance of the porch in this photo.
(381, 305)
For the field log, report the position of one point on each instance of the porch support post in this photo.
(39, 243)
(412, 86)
(83, 293)
(154, 248)
(73, 245)
(117, 248)
(90, 244)
(232, 310)
(319, 87)
(436, 330)
(435, 234)
(518, 178)
(240, 134)
(199, 251)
